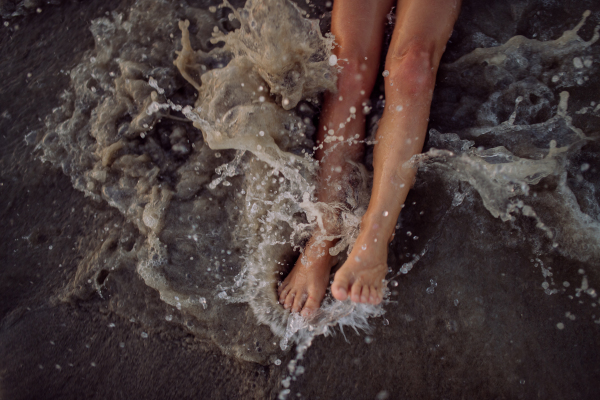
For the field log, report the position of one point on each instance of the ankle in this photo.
(316, 254)
(378, 229)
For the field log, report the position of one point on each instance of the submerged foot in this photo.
(304, 288)
(362, 277)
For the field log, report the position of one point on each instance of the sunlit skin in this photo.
(422, 29)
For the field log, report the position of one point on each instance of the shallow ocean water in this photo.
(495, 260)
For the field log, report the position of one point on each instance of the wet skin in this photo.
(418, 42)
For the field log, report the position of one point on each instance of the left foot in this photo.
(304, 288)
(362, 277)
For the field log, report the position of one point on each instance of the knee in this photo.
(414, 67)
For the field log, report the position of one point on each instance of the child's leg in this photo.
(358, 26)
(422, 30)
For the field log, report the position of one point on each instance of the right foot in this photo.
(304, 288)
(362, 277)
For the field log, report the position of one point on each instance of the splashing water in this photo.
(248, 182)
(229, 115)
(518, 156)
(215, 212)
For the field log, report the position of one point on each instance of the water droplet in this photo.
(560, 326)
(585, 167)
(385, 213)
(333, 60)
(456, 302)
(277, 362)
(393, 283)
(368, 340)
(399, 108)
(545, 285)
(144, 335)
(356, 258)
(386, 73)
(352, 110)
(522, 381)
(364, 247)
(383, 395)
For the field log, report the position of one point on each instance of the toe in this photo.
(312, 304)
(299, 301)
(372, 294)
(364, 294)
(377, 295)
(340, 286)
(282, 286)
(284, 294)
(289, 300)
(356, 289)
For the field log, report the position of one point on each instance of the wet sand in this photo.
(499, 341)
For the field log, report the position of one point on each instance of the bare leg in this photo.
(422, 30)
(358, 26)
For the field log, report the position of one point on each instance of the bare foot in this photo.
(304, 288)
(362, 277)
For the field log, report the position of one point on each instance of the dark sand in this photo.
(501, 341)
